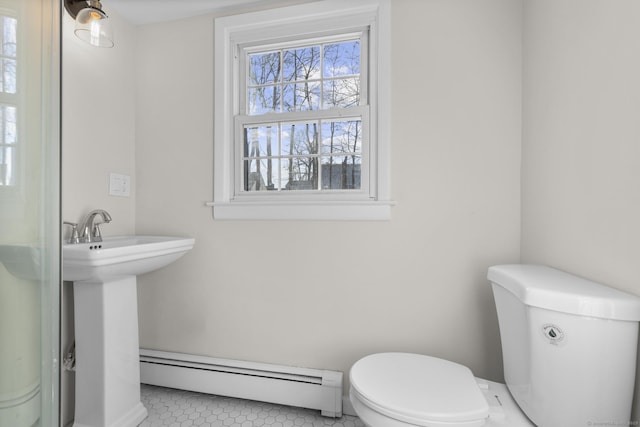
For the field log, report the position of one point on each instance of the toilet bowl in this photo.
(548, 320)
(403, 389)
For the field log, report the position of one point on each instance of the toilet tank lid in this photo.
(548, 288)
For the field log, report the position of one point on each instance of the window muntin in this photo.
(294, 151)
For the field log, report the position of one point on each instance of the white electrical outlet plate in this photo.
(119, 185)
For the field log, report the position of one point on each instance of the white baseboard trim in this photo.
(285, 385)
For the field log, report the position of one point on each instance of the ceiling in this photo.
(140, 12)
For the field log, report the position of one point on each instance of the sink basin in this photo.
(22, 260)
(121, 256)
(106, 322)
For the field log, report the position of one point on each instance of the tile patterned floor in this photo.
(179, 408)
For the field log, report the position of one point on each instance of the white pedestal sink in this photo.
(106, 323)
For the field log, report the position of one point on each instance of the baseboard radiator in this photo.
(285, 385)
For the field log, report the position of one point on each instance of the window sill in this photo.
(291, 211)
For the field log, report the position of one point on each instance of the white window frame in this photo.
(304, 22)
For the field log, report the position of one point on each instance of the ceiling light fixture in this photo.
(92, 24)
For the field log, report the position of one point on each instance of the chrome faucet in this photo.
(90, 228)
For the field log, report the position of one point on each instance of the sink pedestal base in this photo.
(107, 354)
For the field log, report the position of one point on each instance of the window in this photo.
(8, 101)
(299, 91)
(292, 151)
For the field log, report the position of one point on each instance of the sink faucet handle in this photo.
(74, 238)
(97, 236)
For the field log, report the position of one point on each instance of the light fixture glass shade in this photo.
(93, 27)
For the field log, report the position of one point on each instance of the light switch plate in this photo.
(119, 185)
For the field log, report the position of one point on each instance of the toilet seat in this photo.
(419, 390)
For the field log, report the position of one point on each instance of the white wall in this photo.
(98, 125)
(581, 149)
(323, 294)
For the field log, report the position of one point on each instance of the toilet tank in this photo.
(569, 345)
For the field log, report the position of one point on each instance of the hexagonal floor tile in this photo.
(180, 408)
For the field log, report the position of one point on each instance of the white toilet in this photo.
(569, 349)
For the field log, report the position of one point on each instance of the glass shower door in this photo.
(29, 212)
